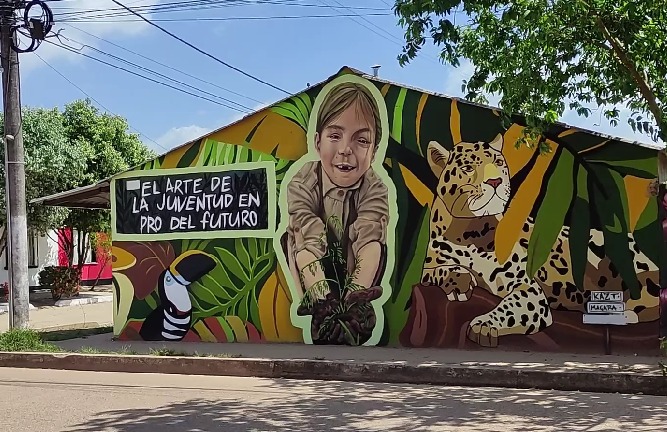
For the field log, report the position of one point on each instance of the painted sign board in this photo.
(605, 307)
(201, 202)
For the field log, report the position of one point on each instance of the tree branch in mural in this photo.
(338, 212)
(470, 201)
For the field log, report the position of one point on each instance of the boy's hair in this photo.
(341, 98)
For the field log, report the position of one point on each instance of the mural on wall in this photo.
(339, 212)
(445, 233)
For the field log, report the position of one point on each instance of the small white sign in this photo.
(132, 185)
(605, 308)
(606, 296)
(610, 319)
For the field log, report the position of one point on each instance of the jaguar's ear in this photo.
(437, 157)
(497, 143)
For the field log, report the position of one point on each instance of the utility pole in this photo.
(16, 226)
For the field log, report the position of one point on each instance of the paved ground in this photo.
(553, 362)
(55, 401)
(82, 316)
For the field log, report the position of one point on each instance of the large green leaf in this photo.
(551, 214)
(396, 311)
(610, 199)
(627, 160)
(648, 232)
(580, 228)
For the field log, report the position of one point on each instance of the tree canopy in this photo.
(66, 149)
(544, 56)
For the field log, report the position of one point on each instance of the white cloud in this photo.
(180, 135)
(92, 23)
(177, 136)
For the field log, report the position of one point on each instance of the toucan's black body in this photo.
(167, 322)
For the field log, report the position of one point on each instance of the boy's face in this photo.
(346, 146)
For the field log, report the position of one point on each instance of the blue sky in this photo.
(289, 53)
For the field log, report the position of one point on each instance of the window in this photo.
(33, 252)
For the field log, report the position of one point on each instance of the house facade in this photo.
(50, 250)
(363, 212)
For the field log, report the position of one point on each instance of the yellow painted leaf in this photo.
(274, 311)
(516, 158)
(271, 132)
(172, 158)
(455, 123)
(421, 193)
(122, 299)
(121, 259)
(203, 332)
(519, 209)
(237, 325)
(638, 196)
(418, 119)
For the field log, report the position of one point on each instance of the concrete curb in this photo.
(84, 300)
(453, 375)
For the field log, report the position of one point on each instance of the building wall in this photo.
(474, 241)
(92, 267)
(47, 251)
(44, 252)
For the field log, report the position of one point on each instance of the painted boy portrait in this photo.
(338, 214)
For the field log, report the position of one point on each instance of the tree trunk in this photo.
(642, 84)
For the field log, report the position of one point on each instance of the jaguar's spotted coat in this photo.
(473, 191)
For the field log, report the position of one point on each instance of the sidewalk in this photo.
(546, 362)
(67, 317)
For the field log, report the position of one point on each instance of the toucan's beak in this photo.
(192, 265)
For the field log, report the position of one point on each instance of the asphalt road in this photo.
(50, 401)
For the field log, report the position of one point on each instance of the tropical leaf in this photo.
(551, 214)
(396, 311)
(637, 161)
(230, 261)
(152, 258)
(232, 287)
(610, 204)
(296, 108)
(274, 310)
(580, 228)
(648, 233)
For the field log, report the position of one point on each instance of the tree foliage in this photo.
(544, 56)
(109, 149)
(64, 150)
(52, 164)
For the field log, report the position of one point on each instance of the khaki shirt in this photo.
(305, 227)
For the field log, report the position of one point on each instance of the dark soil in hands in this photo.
(350, 322)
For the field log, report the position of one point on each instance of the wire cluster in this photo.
(34, 27)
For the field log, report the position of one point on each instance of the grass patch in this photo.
(27, 340)
(22, 340)
(61, 335)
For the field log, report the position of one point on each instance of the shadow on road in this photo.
(289, 405)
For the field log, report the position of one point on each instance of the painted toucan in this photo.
(170, 321)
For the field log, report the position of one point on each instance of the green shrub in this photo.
(61, 281)
(21, 340)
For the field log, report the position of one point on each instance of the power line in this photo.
(183, 6)
(244, 110)
(199, 49)
(164, 65)
(95, 100)
(139, 75)
(242, 18)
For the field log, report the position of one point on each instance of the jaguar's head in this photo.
(473, 178)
